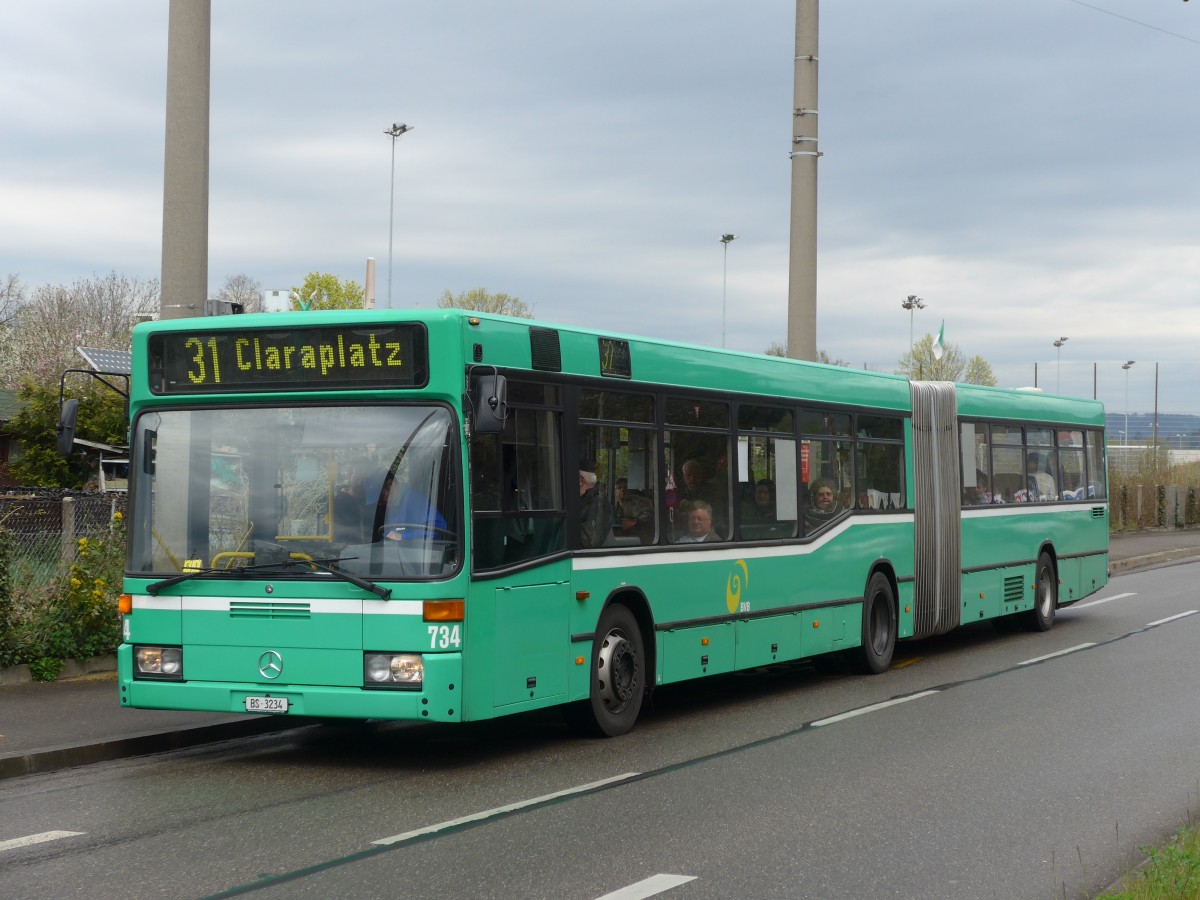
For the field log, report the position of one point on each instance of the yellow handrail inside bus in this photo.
(167, 550)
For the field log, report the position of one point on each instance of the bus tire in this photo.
(618, 677)
(878, 627)
(1045, 601)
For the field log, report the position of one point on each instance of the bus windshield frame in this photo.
(254, 490)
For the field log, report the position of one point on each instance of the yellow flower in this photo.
(99, 582)
(75, 582)
(83, 542)
(118, 517)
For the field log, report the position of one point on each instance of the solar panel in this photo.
(114, 362)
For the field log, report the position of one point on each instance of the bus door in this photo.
(521, 594)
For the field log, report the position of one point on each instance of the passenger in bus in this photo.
(699, 525)
(761, 507)
(1039, 484)
(595, 514)
(348, 510)
(694, 483)
(699, 484)
(824, 507)
(633, 513)
(976, 495)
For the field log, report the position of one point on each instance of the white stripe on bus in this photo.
(731, 551)
(1029, 509)
(318, 606)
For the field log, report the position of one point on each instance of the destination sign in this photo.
(300, 358)
(614, 358)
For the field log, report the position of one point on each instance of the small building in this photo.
(9, 407)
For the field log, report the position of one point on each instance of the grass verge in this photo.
(1171, 871)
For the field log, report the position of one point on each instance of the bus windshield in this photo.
(256, 491)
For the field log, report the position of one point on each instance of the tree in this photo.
(979, 371)
(324, 291)
(920, 364)
(480, 300)
(244, 290)
(12, 298)
(778, 349)
(40, 342)
(101, 418)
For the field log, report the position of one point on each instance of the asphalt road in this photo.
(983, 765)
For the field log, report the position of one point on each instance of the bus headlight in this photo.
(158, 662)
(393, 670)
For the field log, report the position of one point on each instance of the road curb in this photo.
(72, 669)
(1118, 566)
(65, 756)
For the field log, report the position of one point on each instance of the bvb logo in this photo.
(738, 579)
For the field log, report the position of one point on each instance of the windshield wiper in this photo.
(323, 565)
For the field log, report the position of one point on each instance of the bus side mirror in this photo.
(66, 427)
(489, 398)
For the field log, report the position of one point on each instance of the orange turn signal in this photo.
(125, 604)
(443, 610)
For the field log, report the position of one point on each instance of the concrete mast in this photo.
(802, 265)
(184, 280)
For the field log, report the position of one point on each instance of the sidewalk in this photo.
(75, 722)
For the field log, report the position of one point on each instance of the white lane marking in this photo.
(648, 887)
(1182, 615)
(1104, 600)
(1038, 659)
(841, 717)
(38, 839)
(500, 810)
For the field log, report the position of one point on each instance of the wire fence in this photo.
(45, 525)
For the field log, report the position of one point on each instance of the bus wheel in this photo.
(878, 627)
(618, 677)
(1041, 617)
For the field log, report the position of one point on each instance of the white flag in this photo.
(939, 345)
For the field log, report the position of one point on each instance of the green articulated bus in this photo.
(373, 514)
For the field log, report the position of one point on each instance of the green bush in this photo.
(1137, 497)
(74, 616)
(8, 609)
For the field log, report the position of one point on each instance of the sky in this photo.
(1027, 168)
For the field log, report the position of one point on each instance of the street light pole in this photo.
(725, 241)
(912, 304)
(1127, 366)
(1058, 374)
(397, 129)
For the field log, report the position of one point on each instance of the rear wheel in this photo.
(1041, 617)
(618, 677)
(878, 627)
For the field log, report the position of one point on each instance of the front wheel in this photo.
(1041, 617)
(618, 677)
(878, 627)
